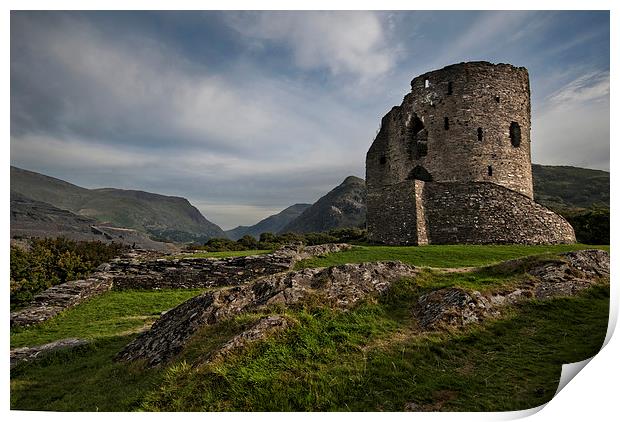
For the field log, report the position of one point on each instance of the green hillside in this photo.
(559, 187)
(166, 217)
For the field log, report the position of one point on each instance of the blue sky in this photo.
(246, 113)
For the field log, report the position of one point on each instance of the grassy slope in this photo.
(111, 314)
(364, 359)
(368, 359)
(440, 256)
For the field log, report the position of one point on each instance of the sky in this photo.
(246, 113)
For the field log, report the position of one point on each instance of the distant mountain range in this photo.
(272, 224)
(343, 206)
(556, 187)
(39, 202)
(162, 217)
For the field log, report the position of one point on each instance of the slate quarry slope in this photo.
(168, 217)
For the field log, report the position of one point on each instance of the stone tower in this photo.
(452, 163)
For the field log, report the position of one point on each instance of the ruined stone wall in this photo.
(455, 126)
(487, 213)
(402, 220)
(464, 127)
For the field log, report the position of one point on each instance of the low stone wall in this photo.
(185, 273)
(481, 212)
(56, 299)
(142, 269)
(26, 354)
(340, 286)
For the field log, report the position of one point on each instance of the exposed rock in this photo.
(455, 307)
(147, 269)
(29, 353)
(260, 330)
(452, 307)
(341, 286)
(56, 299)
(212, 272)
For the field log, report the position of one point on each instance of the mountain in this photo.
(165, 217)
(271, 224)
(561, 187)
(556, 187)
(344, 206)
(30, 218)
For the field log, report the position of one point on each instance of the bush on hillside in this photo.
(48, 262)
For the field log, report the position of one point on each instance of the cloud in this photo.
(591, 87)
(572, 125)
(345, 43)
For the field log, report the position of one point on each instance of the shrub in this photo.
(53, 261)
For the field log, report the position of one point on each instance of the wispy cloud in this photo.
(265, 109)
(572, 124)
(593, 86)
(349, 43)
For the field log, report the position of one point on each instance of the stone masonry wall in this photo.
(148, 270)
(487, 213)
(465, 126)
(454, 126)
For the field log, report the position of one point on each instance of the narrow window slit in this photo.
(449, 88)
(490, 170)
(515, 134)
(480, 134)
(446, 123)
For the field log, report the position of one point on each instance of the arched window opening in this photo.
(480, 134)
(449, 88)
(383, 159)
(515, 134)
(497, 98)
(420, 173)
(427, 83)
(446, 123)
(490, 170)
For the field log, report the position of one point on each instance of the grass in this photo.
(112, 314)
(440, 256)
(83, 379)
(372, 357)
(224, 254)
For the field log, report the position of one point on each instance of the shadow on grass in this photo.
(366, 359)
(82, 379)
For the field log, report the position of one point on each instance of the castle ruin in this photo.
(452, 163)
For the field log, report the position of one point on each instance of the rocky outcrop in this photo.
(56, 299)
(341, 287)
(210, 272)
(260, 330)
(23, 354)
(145, 269)
(456, 307)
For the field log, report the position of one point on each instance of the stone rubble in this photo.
(145, 269)
(456, 307)
(23, 354)
(340, 286)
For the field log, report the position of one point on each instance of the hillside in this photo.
(167, 217)
(30, 218)
(271, 224)
(344, 206)
(556, 187)
(560, 187)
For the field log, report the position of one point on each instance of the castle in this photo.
(452, 163)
